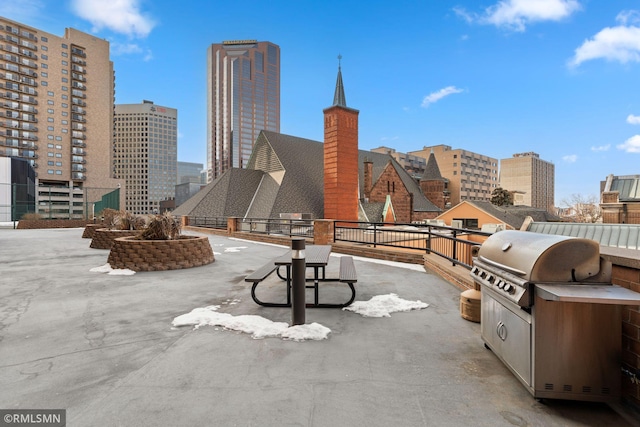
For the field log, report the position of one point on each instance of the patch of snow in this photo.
(384, 305)
(257, 326)
(111, 271)
(235, 249)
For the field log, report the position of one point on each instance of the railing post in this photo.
(375, 234)
(455, 247)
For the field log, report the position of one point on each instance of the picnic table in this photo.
(316, 257)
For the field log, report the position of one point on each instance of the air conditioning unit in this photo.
(456, 223)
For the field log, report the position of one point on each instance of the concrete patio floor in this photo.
(103, 348)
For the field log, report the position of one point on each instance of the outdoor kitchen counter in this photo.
(588, 294)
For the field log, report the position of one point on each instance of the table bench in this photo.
(317, 258)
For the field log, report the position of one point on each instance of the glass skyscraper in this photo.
(243, 98)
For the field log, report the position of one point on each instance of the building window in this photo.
(64, 46)
(49, 93)
(44, 74)
(43, 56)
(44, 48)
(44, 39)
(468, 222)
(50, 171)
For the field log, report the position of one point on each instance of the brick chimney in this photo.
(340, 158)
(368, 178)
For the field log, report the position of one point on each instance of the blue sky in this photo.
(558, 77)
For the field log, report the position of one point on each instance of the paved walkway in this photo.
(102, 347)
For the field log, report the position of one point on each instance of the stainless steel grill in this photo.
(551, 314)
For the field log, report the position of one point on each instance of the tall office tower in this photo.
(471, 176)
(243, 98)
(190, 172)
(56, 111)
(530, 178)
(146, 154)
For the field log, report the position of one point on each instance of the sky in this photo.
(495, 77)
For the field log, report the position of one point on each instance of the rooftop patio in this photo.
(103, 347)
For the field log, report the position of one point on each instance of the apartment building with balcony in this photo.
(471, 176)
(145, 151)
(56, 111)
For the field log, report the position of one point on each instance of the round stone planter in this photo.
(160, 255)
(90, 230)
(103, 237)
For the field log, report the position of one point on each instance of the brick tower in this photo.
(340, 157)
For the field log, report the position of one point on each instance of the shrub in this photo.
(31, 216)
(109, 216)
(161, 227)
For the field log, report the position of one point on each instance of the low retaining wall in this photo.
(160, 255)
(30, 224)
(103, 238)
(90, 230)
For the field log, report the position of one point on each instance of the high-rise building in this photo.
(471, 176)
(56, 111)
(530, 179)
(145, 154)
(243, 98)
(190, 172)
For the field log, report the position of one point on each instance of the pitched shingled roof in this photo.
(514, 215)
(285, 174)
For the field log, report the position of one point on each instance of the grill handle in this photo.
(502, 266)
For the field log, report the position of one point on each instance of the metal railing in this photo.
(453, 244)
(277, 227)
(219, 223)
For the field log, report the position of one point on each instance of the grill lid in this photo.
(539, 257)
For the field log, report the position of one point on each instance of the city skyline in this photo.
(497, 80)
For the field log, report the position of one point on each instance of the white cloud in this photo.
(517, 14)
(631, 145)
(437, 96)
(601, 148)
(633, 120)
(121, 16)
(130, 49)
(620, 43)
(570, 158)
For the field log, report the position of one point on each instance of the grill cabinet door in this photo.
(507, 334)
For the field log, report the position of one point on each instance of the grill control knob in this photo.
(501, 284)
(508, 287)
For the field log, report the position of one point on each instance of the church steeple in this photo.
(338, 97)
(341, 198)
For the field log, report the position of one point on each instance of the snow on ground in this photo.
(113, 272)
(235, 249)
(384, 305)
(257, 326)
